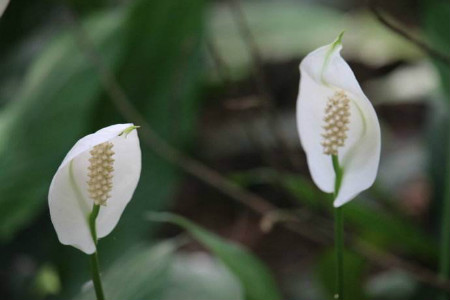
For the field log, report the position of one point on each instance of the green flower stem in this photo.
(338, 232)
(339, 245)
(95, 270)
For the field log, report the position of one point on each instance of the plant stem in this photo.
(339, 245)
(338, 233)
(96, 276)
(92, 225)
(95, 270)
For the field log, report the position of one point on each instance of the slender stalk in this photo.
(92, 225)
(96, 276)
(339, 245)
(338, 232)
(95, 270)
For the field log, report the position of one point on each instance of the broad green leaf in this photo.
(51, 112)
(254, 276)
(140, 274)
(284, 30)
(158, 272)
(392, 285)
(163, 64)
(436, 19)
(160, 73)
(62, 99)
(382, 227)
(198, 276)
(390, 230)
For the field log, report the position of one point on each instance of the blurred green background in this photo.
(218, 81)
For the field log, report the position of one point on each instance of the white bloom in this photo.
(334, 117)
(101, 168)
(3, 5)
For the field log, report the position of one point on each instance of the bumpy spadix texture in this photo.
(101, 172)
(101, 168)
(334, 117)
(337, 113)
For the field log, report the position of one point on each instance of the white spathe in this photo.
(323, 73)
(69, 201)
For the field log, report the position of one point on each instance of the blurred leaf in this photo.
(62, 99)
(141, 273)
(51, 112)
(46, 282)
(354, 267)
(436, 18)
(389, 89)
(373, 223)
(163, 64)
(306, 192)
(158, 272)
(438, 144)
(253, 274)
(197, 276)
(290, 29)
(22, 18)
(387, 229)
(390, 230)
(160, 73)
(392, 285)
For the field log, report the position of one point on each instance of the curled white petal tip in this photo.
(334, 116)
(75, 187)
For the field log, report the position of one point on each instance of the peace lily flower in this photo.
(101, 169)
(335, 118)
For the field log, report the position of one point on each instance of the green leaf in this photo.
(253, 274)
(380, 226)
(436, 19)
(160, 73)
(140, 274)
(46, 282)
(392, 285)
(198, 276)
(285, 30)
(385, 228)
(62, 99)
(50, 113)
(163, 64)
(158, 272)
